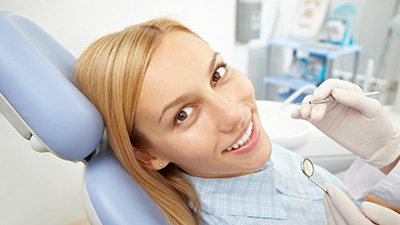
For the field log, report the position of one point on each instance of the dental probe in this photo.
(332, 99)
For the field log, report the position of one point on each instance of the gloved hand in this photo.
(340, 210)
(355, 121)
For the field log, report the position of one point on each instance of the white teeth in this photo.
(243, 139)
(248, 132)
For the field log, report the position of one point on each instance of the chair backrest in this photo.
(39, 98)
(36, 80)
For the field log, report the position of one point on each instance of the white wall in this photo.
(76, 23)
(41, 188)
(36, 188)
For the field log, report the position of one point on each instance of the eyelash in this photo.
(188, 116)
(222, 65)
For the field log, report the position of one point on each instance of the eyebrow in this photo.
(184, 97)
(212, 63)
(174, 103)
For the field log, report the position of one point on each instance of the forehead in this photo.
(176, 52)
(179, 66)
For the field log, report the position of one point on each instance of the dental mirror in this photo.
(308, 169)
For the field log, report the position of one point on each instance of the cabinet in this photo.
(327, 51)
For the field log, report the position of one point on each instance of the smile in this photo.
(243, 140)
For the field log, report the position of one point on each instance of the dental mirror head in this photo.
(307, 167)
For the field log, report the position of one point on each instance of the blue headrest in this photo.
(36, 79)
(115, 196)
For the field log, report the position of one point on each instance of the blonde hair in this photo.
(110, 73)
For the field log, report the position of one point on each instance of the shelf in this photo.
(288, 81)
(330, 51)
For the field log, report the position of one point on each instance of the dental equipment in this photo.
(331, 99)
(308, 169)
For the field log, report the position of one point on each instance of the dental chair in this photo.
(39, 98)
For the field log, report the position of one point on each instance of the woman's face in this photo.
(197, 112)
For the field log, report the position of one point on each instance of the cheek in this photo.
(244, 86)
(194, 144)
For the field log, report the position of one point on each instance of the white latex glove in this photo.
(355, 121)
(341, 210)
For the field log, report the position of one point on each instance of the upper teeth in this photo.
(243, 139)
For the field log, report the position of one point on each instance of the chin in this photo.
(266, 148)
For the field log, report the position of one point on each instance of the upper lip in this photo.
(241, 133)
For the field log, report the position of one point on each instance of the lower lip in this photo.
(250, 144)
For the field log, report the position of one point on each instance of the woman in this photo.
(178, 117)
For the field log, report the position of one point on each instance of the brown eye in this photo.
(219, 73)
(216, 77)
(184, 114)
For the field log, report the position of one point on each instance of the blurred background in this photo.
(281, 45)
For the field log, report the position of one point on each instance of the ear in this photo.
(148, 161)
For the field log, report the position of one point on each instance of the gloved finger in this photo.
(325, 89)
(295, 114)
(313, 112)
(345, 207)
(379, 214)
(332, 215)
(318, 111)
(305, 109)
(369, 107)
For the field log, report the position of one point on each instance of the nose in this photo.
(228, 113)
